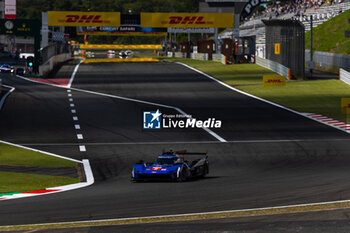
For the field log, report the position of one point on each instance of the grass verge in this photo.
(322, 97)
(24, 182)
(11, 155)
(336, 43)
(238, 74)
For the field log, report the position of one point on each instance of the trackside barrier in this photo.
(274, 66)
(199, 56)
(220, 58)
(170, 54)
(179, 55)
(49, 65)
(344, 76)
(329, 60)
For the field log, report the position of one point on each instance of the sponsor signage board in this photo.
(250, 7)
(345, 106)
(78, 18)
(20, 27)
(274, 80)
(277, 48)
(10, 9)
(191, 30)
(187, 20)
(123, 31)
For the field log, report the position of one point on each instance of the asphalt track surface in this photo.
(273, 157)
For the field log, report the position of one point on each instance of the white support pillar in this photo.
(44, 30)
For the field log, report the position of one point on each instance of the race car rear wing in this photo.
(184, 152)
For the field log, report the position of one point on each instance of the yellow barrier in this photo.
(102, 60)
(274, 80)
(113, 46)
(345, 106)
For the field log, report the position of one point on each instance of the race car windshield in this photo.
(164, 161)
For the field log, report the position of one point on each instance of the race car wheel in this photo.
(181, 174)
(205, 170)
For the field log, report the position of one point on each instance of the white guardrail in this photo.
(274, 66)
(344, 76)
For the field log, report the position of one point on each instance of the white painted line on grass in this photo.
(80, 136)
(77, 126)
(258, 98)
(74, 111)
(75, 118)
(40, 151)
(82, 148)
(73, 75)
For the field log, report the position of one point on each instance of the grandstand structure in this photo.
(255, 27)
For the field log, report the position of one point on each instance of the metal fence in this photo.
(344, 76)
(289, 36)
(329, 60)
(274, 66)
(52, 50)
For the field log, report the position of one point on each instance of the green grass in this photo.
(23, 182)
(322, 97)
(329, 36)
(11, 155)
(237, 74)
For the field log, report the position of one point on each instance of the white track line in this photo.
(150, 103)
(255, 97)
(73, 75)
(82, 148)
(2, 101)
(204, 214)
(192, 142)
(219, 138)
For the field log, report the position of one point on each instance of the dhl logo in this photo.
(186, 20)
(83, 19)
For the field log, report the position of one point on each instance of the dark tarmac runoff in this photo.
(272, 157)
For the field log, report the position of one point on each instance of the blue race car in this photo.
(172, 166)
(6, 68)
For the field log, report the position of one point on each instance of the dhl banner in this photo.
(274, 80)
(123, 33)
(345, 106)
(78, 18)
(114, 46)
(187, 20)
